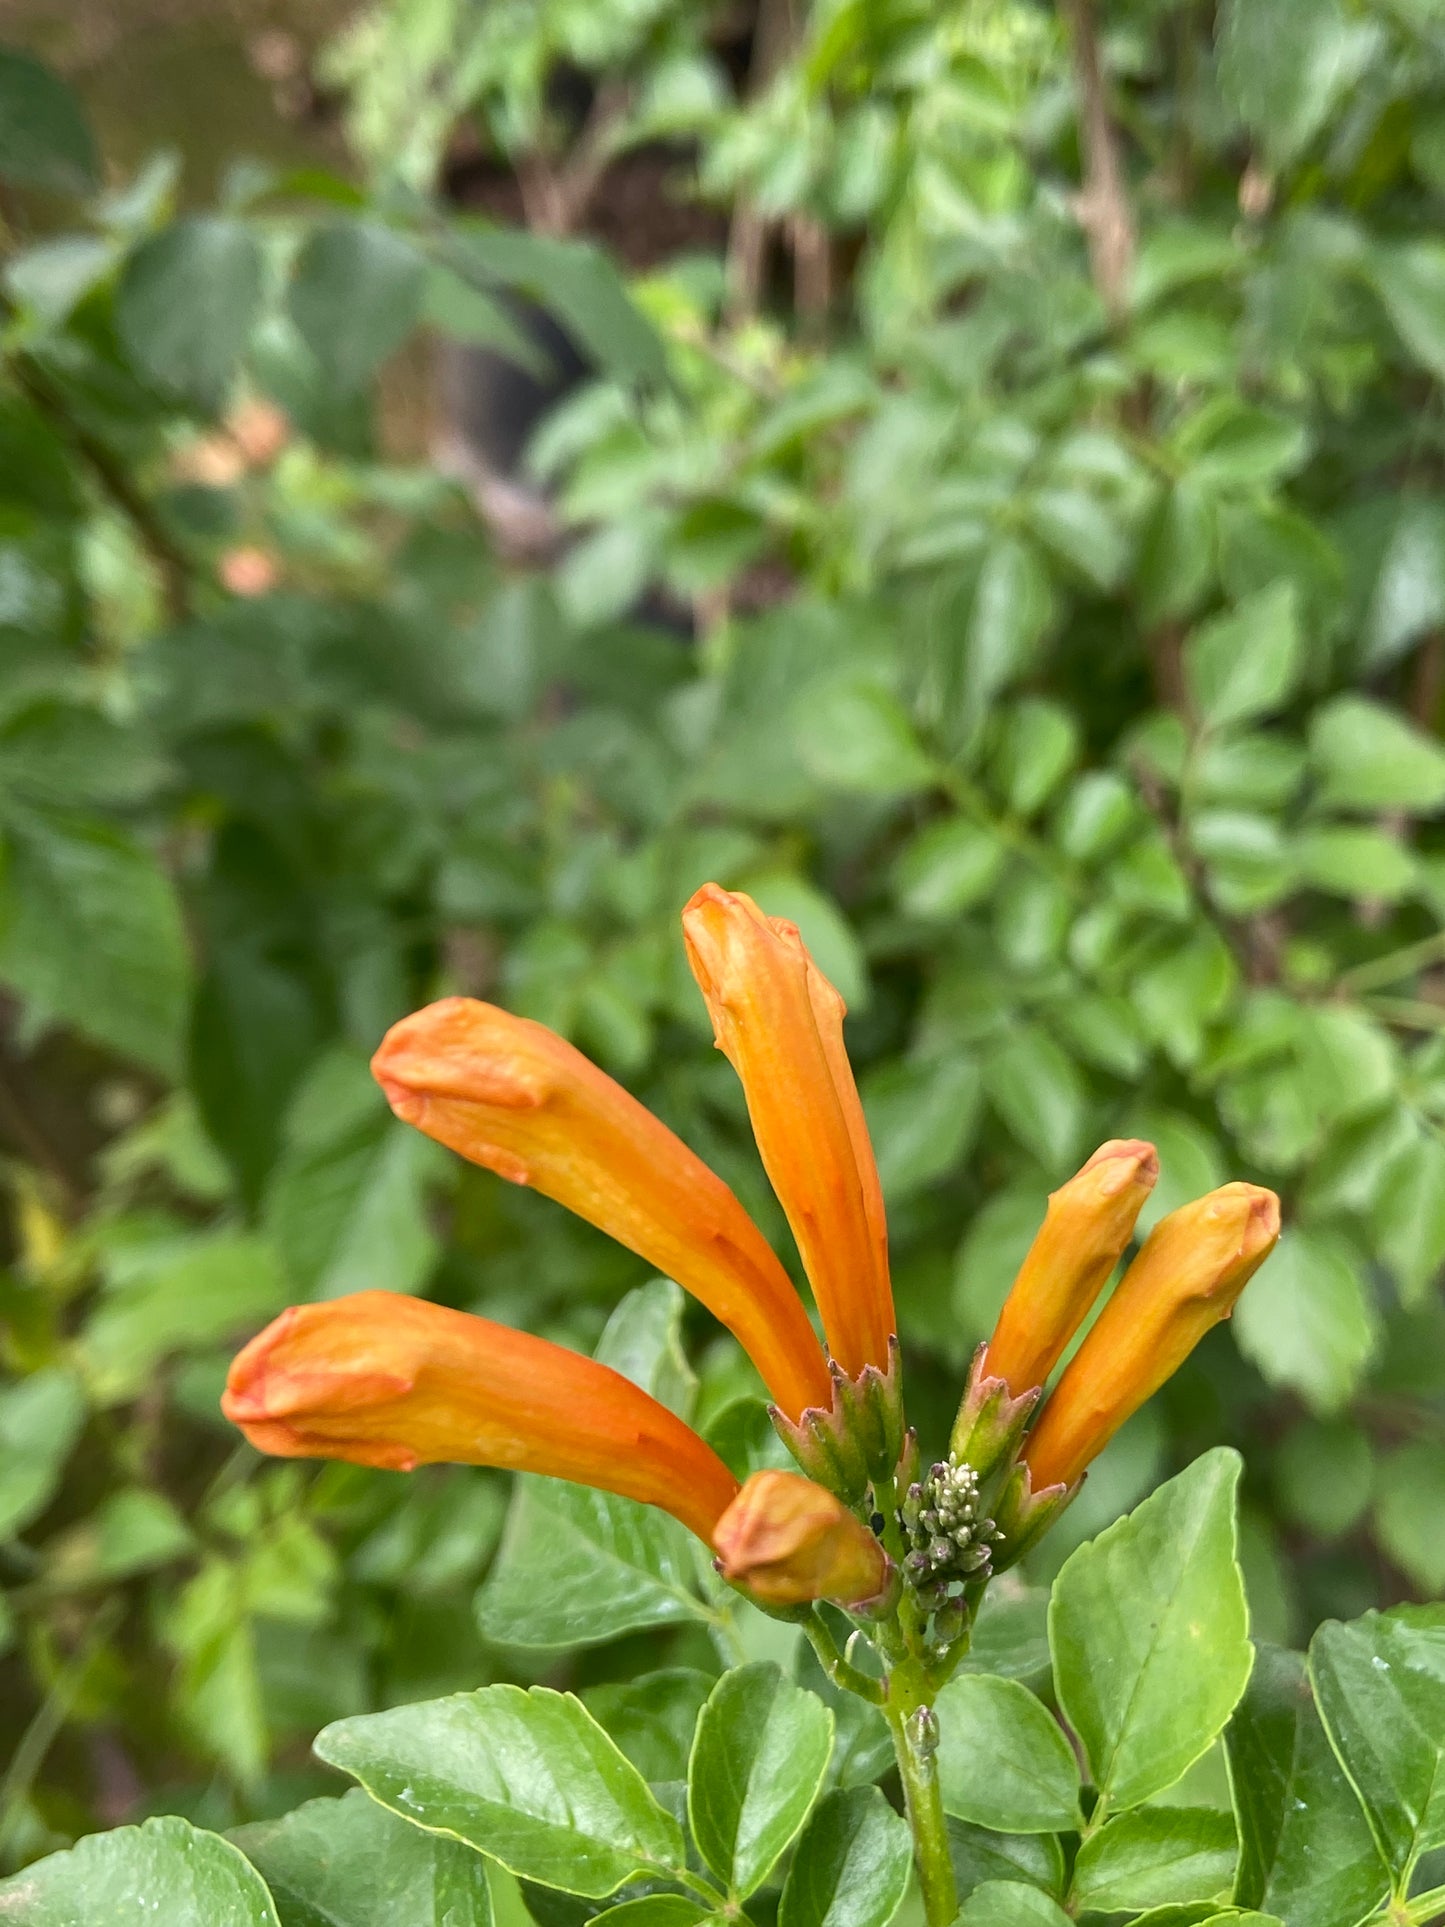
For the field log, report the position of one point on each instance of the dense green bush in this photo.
(1040, 520)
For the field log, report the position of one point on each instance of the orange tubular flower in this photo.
(789, 1541)
(1089, 1222)
(779, 1022)
(1190, 1272)
(511, 1095)
(396, 1382)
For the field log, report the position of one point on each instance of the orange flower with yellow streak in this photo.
(396, 1382)
(382, 1380)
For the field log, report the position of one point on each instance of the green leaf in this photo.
(1284, 66)
(1306, 1321)
(978, 1855)
(947, 867)
(578, 285)
(346, 1203)
(188, 299)
(133, 1531)
(1038, 746)
(577, 1567)
(164, 1870)
(1380, 1687)
(1246, 663)
(758, 1762)
(1003, 1761)
(355, 296)
(1306, 1853)
(350, 1863)
(1010, 1903)
(527, 1777)
(44, 139)
(217, 1285)
(1410, 281)
(91, 935)
(852, 1865)
(921, 1118)
(1365, 757)
(654, 1910)
(1154, 1857)
(643, 1340)
(652, 1719)
(40, 1420)
(1366, 866)
(1037, 1091)
(853, 736)
(1409, 1218)
(1149, 1631)
(1323, 1474)
(1410, 1495)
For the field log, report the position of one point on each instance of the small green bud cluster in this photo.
(949, 1542)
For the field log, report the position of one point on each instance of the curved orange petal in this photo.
(1089, 1222)
(1188, 1275)
(779, 1022)
(513, 1096)
(397, 1382)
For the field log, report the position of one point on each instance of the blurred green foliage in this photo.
(1021, 560)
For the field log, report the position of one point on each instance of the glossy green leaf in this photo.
(1036, 1089)
(1149, 1632)
(1011, 1903)
(1380, 1687)
(758, 1763)
(1306, 1853)
(188, 299)
(852, 1865)
(1155, 1857)
(163, 1870)
(652, 1719)
(1283, 67)
(350, 1863)
(921, 1118)
(526, 1777)
(1003, 1761)
(980, 1855)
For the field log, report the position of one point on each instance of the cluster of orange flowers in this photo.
(393, 1381)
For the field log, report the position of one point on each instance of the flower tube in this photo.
(779, 1023)
(1089, 1222)
(511, 1095)
(1188, 1276)
(385, 1380)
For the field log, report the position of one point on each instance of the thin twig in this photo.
(1103, 207)
(171, 564)
(748, 236)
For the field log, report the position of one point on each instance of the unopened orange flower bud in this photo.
(513, 1096)
(779, 1022)
(1189, 1274)
(1089, 1222)
(788, 1541)
(384, 1380)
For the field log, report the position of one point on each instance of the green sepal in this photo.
(990, 1423)
(1023, 1516)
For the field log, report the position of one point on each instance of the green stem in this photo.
(909, 1695)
